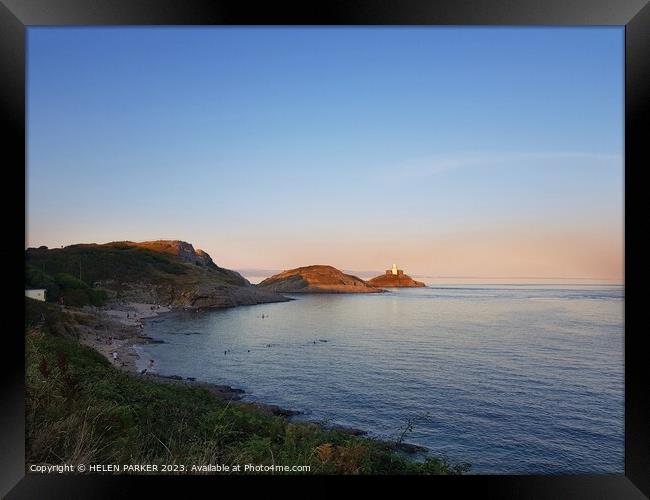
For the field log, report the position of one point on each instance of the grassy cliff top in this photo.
(127, 261)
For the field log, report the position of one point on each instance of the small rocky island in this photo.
(395, 278)
(316, 279)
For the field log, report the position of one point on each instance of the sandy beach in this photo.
(119, 329)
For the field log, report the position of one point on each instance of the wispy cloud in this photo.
(436, 164)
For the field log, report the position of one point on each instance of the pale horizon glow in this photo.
(465, 153)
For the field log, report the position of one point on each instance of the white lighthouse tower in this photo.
(394, 270)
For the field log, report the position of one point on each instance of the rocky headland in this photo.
(169, 273)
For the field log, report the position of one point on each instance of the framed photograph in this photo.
(354, 238)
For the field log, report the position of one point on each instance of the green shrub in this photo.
(97, 297)
(36, 278)
(67, 281)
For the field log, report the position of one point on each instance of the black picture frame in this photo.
(17, 15)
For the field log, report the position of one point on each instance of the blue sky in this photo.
(279, 147)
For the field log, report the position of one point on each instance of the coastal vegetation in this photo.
(80, 408)
(127, 261)
(64, 287)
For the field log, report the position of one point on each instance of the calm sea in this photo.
(513, 379)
